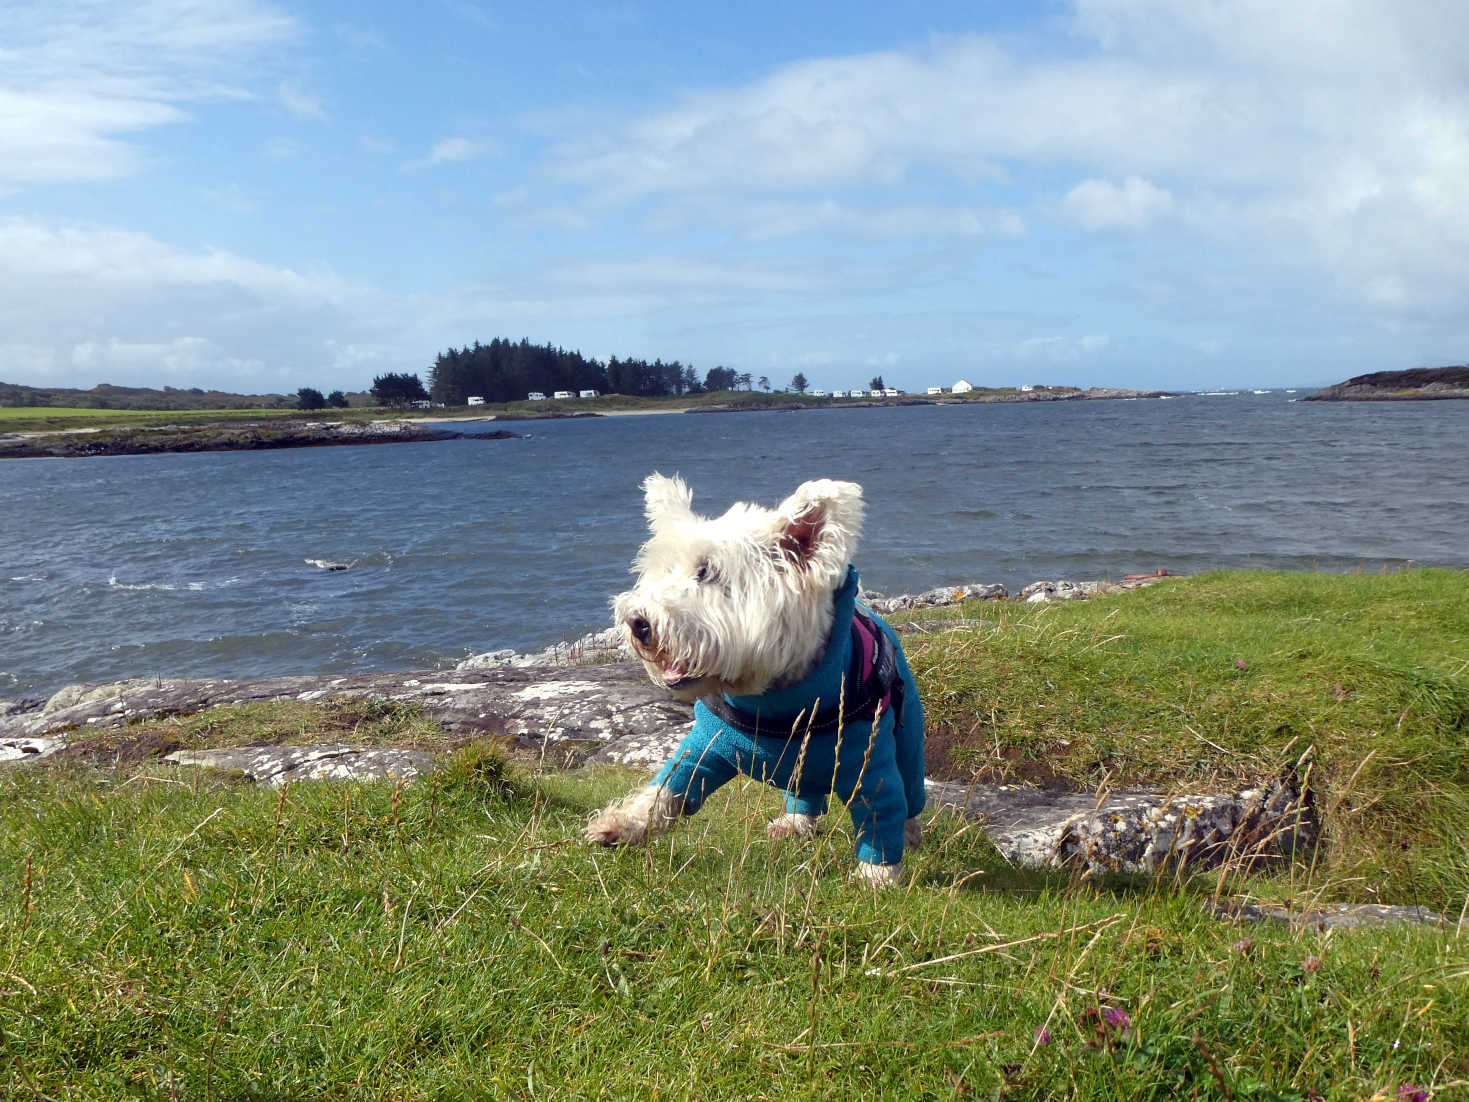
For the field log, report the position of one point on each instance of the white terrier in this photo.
(754, 614)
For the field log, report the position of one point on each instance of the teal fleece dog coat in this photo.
(873, 761)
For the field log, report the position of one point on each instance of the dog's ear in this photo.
(817, 528)
(667, 501)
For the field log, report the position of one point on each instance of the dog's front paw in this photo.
(912, 833)
(878, 876)
(635, 818)
(792, 825)
(613, 828)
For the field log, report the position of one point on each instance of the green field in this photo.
(183, 934)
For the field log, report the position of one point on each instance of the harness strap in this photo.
(872, 684)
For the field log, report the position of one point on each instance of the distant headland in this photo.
(1416, 384)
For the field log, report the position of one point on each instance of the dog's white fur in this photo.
(742, 602)
(737, 604)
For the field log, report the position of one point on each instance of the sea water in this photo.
(406, 556)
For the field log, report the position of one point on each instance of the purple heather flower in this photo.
(1412, 1092)
(1042, 1035)
(1116, 1017)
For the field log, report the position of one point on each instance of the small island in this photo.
(224, 436)
(1416, 384)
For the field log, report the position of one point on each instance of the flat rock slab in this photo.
(22, 749)
(610, 712)
(1335, 916)
(1135, 831)
(280, 765)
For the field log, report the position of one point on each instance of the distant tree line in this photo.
(506, 371)
(308, 397)
(107, 396)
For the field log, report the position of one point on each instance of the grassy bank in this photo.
(1224, 679)
(58, 419)
(183, 934)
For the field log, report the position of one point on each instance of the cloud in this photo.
(1061, 350)
(1101, 204)
(452, 151)
(299, 103)
(87, 304)
(361, 39)
(76, 78)
(763, 220)
(472, 13)
(1322, 135)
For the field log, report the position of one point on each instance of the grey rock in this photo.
(24, 749)
(1136, 831)
(602, 712)
(1063, 590)
(933, 598)
(279, 765)
(598, 647)
(1335, 916)
(1060, 590)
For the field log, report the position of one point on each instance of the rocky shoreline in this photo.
(586, 703)
(225, 436)
(1039, 394)
(1419, 384)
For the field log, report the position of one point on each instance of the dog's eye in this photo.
(704, 573)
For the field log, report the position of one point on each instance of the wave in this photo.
(170, 587)
(164, 586)
(376, 558)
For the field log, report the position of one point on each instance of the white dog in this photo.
(754, 614)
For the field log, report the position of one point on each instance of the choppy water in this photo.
(187, 565)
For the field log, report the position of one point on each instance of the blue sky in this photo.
(261, 196)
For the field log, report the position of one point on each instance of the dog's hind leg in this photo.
(792, 824)
(801, 817)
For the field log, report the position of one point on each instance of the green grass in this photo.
(168, 933)
(1226, 679)
(174, 935)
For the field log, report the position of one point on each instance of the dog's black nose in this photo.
(641, 630)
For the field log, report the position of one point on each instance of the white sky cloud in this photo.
(299, 103)
(1268, 176)
(1101, 204)
(75, 76)
(456, 150)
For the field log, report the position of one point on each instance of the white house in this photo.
(564, 394)
(818, 394)
(963, 386)
(838, 393)
(935, 390)
(535, 396)
(591, 394)
(475, 400)
(891, 392)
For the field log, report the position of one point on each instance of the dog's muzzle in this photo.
(671, 674)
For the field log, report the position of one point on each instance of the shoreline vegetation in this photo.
(229, 435)
(73, 432)
(179, 931)
(225, 424)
